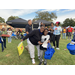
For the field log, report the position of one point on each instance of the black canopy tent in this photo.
(21, 23)
(17, 23)
(36, 23)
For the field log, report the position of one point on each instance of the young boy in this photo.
(64, 33)
(4, 38)
(1, 41)
(9, 33)
(43, 45)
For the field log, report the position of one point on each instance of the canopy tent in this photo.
(36, 23)
(21, 23)
(44, 21)
(17, 23)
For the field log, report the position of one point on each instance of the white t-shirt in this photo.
(9, 33)
(45, 39)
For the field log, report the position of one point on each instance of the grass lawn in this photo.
(10, 55)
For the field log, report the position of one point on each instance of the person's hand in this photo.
(21, 40)
(27, 32)
(48, 41)
(39, 43)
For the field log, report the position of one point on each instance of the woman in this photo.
(34, 39)
(56, 35)
(51, 32)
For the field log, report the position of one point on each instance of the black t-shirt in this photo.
(28, 28)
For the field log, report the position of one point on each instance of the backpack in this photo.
(49, 53)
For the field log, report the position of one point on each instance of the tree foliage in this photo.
(2, 20)
(12, 18)
(68, 22)
(45, 16)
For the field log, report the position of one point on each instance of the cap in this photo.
(57, 22)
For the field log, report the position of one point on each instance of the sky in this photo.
(26, 14)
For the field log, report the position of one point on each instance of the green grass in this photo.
(10, 55)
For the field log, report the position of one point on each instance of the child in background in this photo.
(43, 46)
(64, 33)
(1, 40)
(9, 33)
(21, 34)
(4, 38)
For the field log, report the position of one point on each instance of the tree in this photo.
(45, 16)
(2, 20)
(68, 22)
(12, 18)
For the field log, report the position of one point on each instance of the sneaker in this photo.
(53, 47)
(2, 50)
(40, 63)
(33, 61)
(42, 60)
(70, 39)
(57, 48)
(38, 57)
(45, 63)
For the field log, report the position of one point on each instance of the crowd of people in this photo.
(38, 37)
(9, 31)
(43, 35)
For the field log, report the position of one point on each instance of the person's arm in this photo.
(27, 30)
(29, 35)
(72, 30)
(48, 39)
(39, 42)
(0, 34)
(53, 29)
(60, 30)
(11, 32)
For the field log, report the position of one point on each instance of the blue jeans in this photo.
(64, 35)
(21, 37)
(3, 44)
(9, 39)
